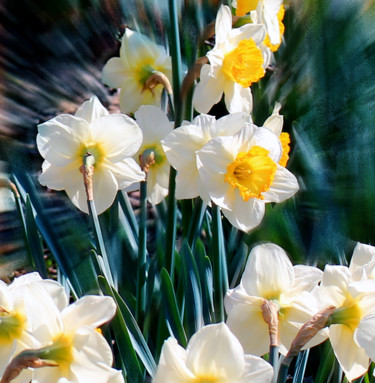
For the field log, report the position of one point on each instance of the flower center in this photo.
(95, 150)
(244, 64)
(61, 351)
(285, 141)
(12, 325)
(209, 379)
(349, 313)
(144, 72)
(246, 6)
(158, 152)
(280, 17)
(252, 173)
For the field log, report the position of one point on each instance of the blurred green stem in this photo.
(174, 48)
(219, 264)
(141, 267)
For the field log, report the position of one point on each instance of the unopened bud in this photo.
(87, 169)
(309, 330)
(158, 78)
(146, 160)
(21, 362)
(271, 317)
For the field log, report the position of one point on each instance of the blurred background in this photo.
(51, 57)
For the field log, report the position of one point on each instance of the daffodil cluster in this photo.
(44, 339)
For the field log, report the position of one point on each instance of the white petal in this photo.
(208, 91)
(223, 24)
(59, 139)
(118, 135)
(90, 310)
(274, 123)
(352, 358)
(157, 183)
(114, 72)
(126, 172)
(214, 349)
(305, 278)
(237, 98)
(362, 255)
(246, 322)
(365, 335)
(172, 367)
(230, 124)
(334, 286)
(245, 215)
(91, 110)
(132, 96)
(256, 32)
(268, 272)
(265, 138)
(154, 123)
(257, 370)
(283, 186)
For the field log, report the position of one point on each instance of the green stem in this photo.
(127, 208)
(274, 356)
(283, 373)
(99, 241)
(141, 267)
(219, 264)
(171, 224)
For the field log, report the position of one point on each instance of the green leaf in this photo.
(124, 343)
(171, 309)
(192, 290)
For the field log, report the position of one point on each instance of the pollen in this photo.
(244, 64)
(285, 141)
(267, 41)
(252, 173)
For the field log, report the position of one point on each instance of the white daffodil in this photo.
(354, 299)
(181, 145)
(112, 139)
(212, 355)
(267, 12)
(241, 174)
(275, 124)
(26, 307)
(269, 275)
(139, 59)
(155, 125)
(71, 341)
(237, 60)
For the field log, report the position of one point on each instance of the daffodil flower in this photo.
(112, 139)
(237, 60)
(270, 275)
(267, 12)
(181, 145)
(212, 355)
(139, 59)
(26, 307)
(241, 174)
(71, 341)
(352, 319)
(155, 125)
